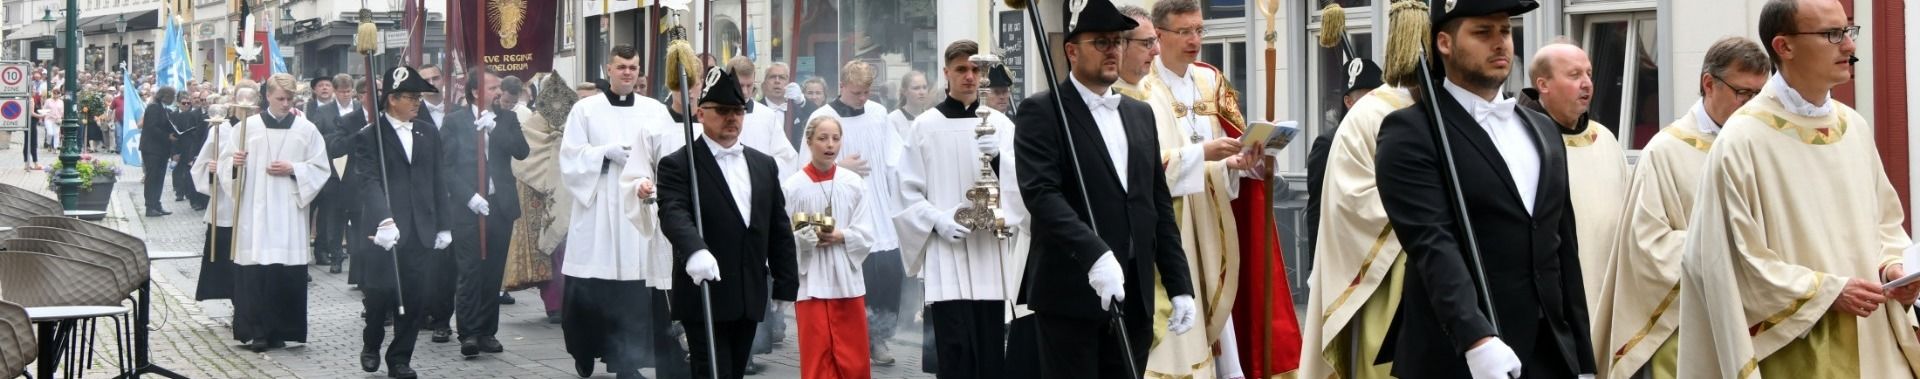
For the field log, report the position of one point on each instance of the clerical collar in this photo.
(1794, 103)
(817, 175)
(774, 105)
(846, 110)
(1530, 98)
(953, 108)
(1707, 125)
(276, 123)
(617, 100)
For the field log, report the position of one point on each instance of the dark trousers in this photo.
(183, 185)
(1073, 347)
(329, 224)
(155, 168)
(477, 297)
(968, 338)
(381, 304)
(31, 150)
(733, 341)
(442, 277)
(270, 303)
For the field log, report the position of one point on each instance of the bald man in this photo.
(1596, 166)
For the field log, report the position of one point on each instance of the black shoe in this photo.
(584, 367)
(335, 269)
(506, 299)
(491, 345)
(199, 208)
(370, 360)
(154, 213)
(553, 317)
(277, 345)
(401, 371)
(470, 346)
(754, 367)
(257, 346)
(443, 336)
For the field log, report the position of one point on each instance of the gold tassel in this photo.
(680, 58)
(1333, 22)
(1407, 36)
(366, 39)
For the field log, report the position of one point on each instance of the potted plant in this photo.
(96, 182)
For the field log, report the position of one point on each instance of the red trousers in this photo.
(833, 338)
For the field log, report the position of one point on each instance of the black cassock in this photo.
(1532, 256)
(1076, 338)
(750, 253)
(416, 192)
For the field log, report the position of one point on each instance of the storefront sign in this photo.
(1013, 35)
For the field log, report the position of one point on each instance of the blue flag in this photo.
(132, 107)
(273, 52)
(171, 67)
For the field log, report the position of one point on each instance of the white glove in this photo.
(702, 268)
(1586, 376)
(485, 123)
(442, 239)
(1107, 280)
(988, 144)
(808, 235)
(478, 205)
(793, 92)
(1182, 319)
(951, 230)
(386, 235)
(1493, 360)
(616, 154)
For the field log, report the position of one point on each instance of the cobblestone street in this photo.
(194, 338)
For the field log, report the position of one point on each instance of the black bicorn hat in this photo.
(315, 82)
(1098, 17)
(723, 89)
(406, 79)
(998, 77)
(1447, 10)
(1362, 74)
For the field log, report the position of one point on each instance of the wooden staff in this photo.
(478, 67)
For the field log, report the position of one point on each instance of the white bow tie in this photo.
(403, 126)
(724, 152)
(1496, 110)
(1110, 101)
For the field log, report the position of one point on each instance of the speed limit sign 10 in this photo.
(13, 79)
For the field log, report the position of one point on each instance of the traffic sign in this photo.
(13, 78)
(13, 114)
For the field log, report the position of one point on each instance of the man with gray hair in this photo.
(1784, 266)
(1562, 79)
(1636, 288)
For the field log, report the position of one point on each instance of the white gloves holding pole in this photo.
(702, 268)
(478, 205)
(1183, 313)
(1107, 280)
(386, 235)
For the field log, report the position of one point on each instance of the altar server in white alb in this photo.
(282, 159)
(871, 147)
(964, 267)
(762, 130)
(830, 306)
(615, 308)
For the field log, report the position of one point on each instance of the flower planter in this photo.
(96, 198)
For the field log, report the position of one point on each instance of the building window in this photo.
(1229, 56)
(1625, 74)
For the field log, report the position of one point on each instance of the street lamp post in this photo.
(69, 177)
(120, 49)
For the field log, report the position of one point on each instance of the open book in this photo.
(1910, 259)
(1276, 136)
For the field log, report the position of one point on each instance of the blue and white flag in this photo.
(131, 108)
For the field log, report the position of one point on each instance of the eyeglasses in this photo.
(1146, 43)
(1103, 44)
(1191, 32)
(1740, 95)
(1835, 35)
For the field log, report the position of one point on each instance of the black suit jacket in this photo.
(192, 125)
(1317, 176)
(417, 190)
(748, 251)
(1136, 223)
(459, 167)
(156, 131)
(1531, 260)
